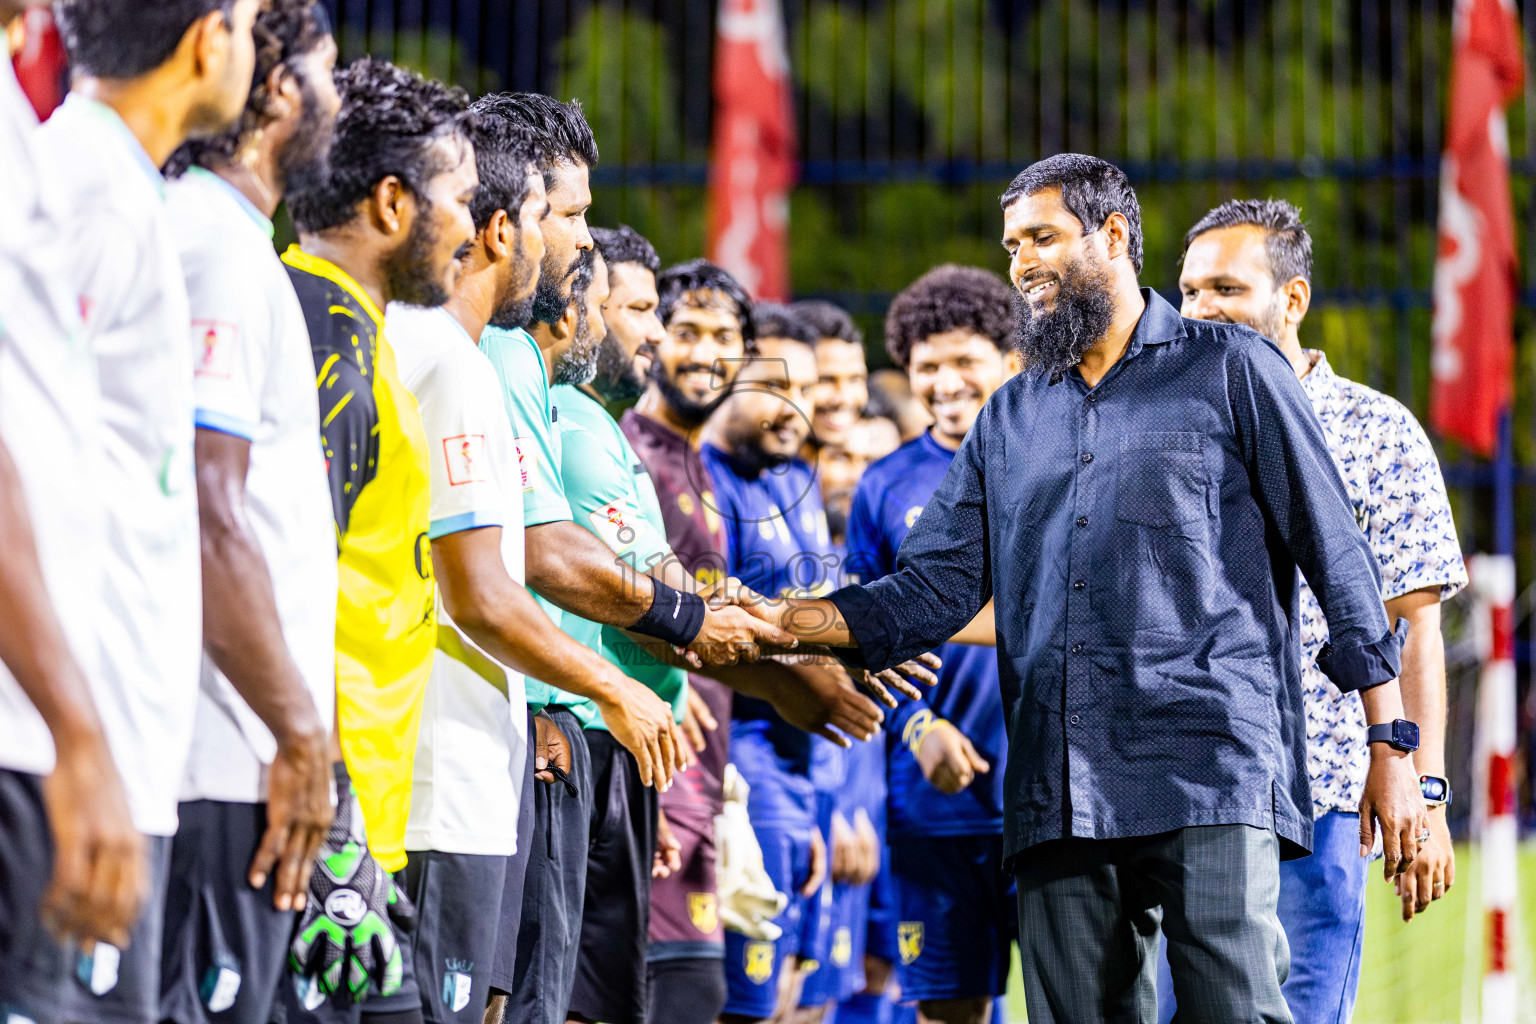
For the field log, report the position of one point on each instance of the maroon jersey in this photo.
(683, 907)
(687, 502)
(697, 538)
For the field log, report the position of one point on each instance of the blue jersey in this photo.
(777, 543)
(887, 503)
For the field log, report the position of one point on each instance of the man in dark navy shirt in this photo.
(951, 329)
(1137, 504)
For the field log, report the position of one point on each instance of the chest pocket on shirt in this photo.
(1162, 480)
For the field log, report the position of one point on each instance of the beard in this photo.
(408, 270)
(514, 312)
(579, 363)
(302, 163)
(616, 378)
(553, 293)
(1054, 342)
(1272, 325)
(683, 407)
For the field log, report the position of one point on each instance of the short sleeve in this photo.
(599, 475)
(457, 413)
(1410, 527)
(231, 345)
(521, 373)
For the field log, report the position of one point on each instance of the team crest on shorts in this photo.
(842, 947)
(757, 961)
(909, 940)
(456, 985)
(703, 911)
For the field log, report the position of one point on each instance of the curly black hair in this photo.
(624, 244)
(829, 320)
(563, 135)
(504, 150)
(778, 321)
(946, 298)
(121, 40)
(284, 33)
(675, 284)
(389, 119)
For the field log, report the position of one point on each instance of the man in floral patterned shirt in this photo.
(1250, 261)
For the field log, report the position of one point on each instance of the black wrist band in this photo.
(674, 616)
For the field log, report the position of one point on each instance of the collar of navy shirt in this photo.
(1159, 324)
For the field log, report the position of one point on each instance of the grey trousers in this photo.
(1090, 911)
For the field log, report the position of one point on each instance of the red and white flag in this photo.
(752, 166)
(1472, 365)
(41, 65)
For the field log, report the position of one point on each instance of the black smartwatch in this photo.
(1436, 790)
(1399, 733)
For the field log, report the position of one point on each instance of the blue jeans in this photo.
(1322, 909)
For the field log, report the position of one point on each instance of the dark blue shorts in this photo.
(840, 957)
(958, 916)
(884, 911)
(751, 965)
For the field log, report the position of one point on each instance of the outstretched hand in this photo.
(821, 698)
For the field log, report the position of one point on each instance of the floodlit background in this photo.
(911, 115)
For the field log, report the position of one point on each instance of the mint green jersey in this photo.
(610, 493)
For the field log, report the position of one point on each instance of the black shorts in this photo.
(115, 986)
(549, 929)
(616, 919)
(504, 963)
(455, 939)
(225, 945)
(34, 970)
(687, 990)
(298, 1002)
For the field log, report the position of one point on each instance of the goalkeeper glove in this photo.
(344, 940)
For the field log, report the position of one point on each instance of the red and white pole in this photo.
(1493, 584)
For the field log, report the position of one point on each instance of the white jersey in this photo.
(472, 750)
(134, 304)
(49, 409)
(254, 378)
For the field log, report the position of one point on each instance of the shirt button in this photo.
(1079, 584)
(1077, 648)
(1087, 457)
(1082, 520)
(1073, 719)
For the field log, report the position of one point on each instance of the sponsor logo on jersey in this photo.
(909, 940)
(216, 342)
(617, 523)
(757, 961)
(465, 456)
(703, 911)
(912, 514)
(525, 463)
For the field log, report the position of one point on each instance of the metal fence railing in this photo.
(912, 114)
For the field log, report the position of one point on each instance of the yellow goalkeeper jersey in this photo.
(386, 627)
